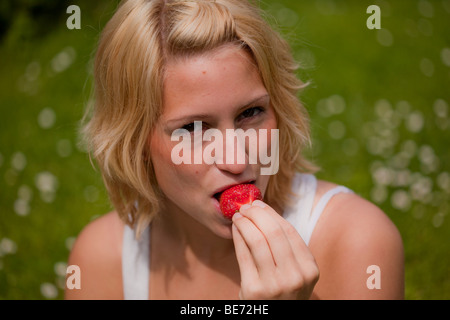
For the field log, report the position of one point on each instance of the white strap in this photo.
(135, 264)
(304, 187)
(320, 206)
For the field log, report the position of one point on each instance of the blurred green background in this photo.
(378, 99)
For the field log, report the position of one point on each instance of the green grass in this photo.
(380, 122)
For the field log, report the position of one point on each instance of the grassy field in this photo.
(378, 99)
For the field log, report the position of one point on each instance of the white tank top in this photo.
(136, 253)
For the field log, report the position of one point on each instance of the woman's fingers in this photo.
(254, 259)
(272, 256)
(306, 263)
(255, 241)
(247, 265)
(270, 229)
(299, 247)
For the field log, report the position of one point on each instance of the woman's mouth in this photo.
(219, 193)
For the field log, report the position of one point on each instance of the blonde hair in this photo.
(129, 75)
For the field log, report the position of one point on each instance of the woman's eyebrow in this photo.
(205, 116)
(262, 99)
(190, 118)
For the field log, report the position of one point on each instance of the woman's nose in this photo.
(234, 157)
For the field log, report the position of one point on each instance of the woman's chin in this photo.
(227, 233)
(222, 228)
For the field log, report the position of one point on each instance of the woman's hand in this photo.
(274, 261)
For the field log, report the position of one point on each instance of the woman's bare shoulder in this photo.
(98, 254)
(353, 214)
(354, 236)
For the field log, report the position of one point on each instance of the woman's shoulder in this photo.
(352, 235)
(97, 252)
(349, 210)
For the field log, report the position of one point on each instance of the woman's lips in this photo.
(216, 204)
(219, 191)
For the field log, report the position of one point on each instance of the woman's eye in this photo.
(189, 127)
(251, 112)
(192, 126)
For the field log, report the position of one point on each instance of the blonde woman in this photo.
(163, 66)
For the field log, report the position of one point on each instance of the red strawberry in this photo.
(233, 198)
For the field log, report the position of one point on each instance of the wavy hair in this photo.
(129, 73)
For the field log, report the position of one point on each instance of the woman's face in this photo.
(223, 90)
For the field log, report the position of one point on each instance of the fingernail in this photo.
(245, 207)
(236, 216)
(259, 203)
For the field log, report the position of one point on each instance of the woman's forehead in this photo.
(228, 78)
